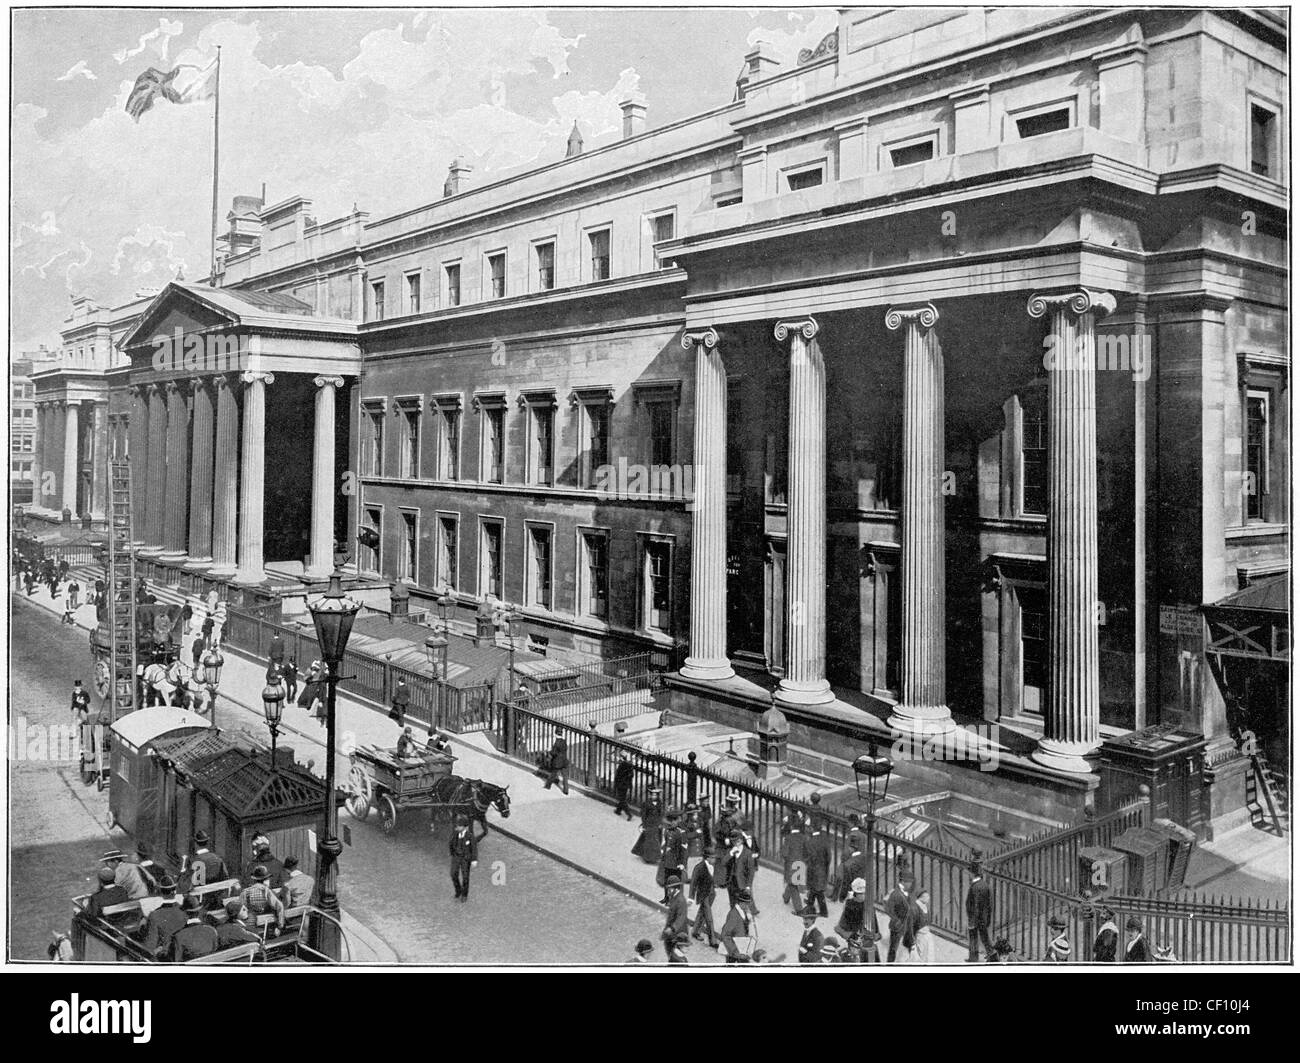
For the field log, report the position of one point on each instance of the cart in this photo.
(95, 743)
(381, 780)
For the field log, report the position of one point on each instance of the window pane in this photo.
(661, 433)
(541, 559)
(1048, 122)
(600, 255)
(544, 422)
(598, 439)
(453, 286)
(658, 588)
(545, 266)
(1034, 423)
(496, 445)
(413, 294)
(447, 552)
(1261, 141)
(805, 179)
(1033, 636)
(497, 266)
(1256, 456)
(377, 300)
(912, 153)
(597, 575)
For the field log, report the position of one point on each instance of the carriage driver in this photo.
(406, 744)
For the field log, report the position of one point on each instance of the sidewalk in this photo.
(579, 830)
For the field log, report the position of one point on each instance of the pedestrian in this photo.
(643, 950)
(899, 907)
(29, 578)
(923, 952)
(677, 919)
(275, 651)
(1058, 948)
(862, 948)
(830, 950)
(623, 785)
(63, 568)
(69, 613)
(74, 594)
(1003, 952)
(739, 924)
(672, 853)
(557, 764)
(853, 867)
(703, 891)
(1106, 943)
(80, 698)
(818, 855)
(150, 872)
(810, 944)
(438, 742)
(728, 821)
(649, 843)
(794, 863)
(979, 910)
(401, 702)
(739, 871)
(675, 947)
(463, 848)
(1137, 950)
(853, 919)
(59, 949)
(290, 674)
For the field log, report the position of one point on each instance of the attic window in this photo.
(808, 177)
(1050, 121)
(913, 151)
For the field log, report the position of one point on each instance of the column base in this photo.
(150, 551)
(794, 692)
(198, 564)
(1069, 757)
(224, 571)
(174, 557)
(317, 575)
(249, 577)
(922, 719)
(707, 669)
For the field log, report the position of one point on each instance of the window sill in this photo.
(1260, 530)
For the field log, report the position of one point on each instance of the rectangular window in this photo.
(377, 301)
(494, 444)
(599, 241)
(593, 595)
(542, 449)
(545, 266)
(411, 445)
(658, 585)
(447, 540)
(497, 274)
(449, 443)
(374, 461)
(539, 567)
(661, 414)
(663, 229)
(490, 560)
(1263, 147)
(374, 540)
(1035, 125)
(1033, 641)
(413, 293)
(1256, 487)
(810, 177)
(597, 437)
(453, 284)
(908, 154)
(1034, 453)
(410, 545)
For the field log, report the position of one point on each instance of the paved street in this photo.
(524, 906)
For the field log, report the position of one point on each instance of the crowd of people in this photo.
(187, 922)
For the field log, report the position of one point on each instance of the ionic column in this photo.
(138, 454)
(225, 498)
(322, 481)
(71, 454)
(99, 457)
(708, 657)
(176, 529)
(1072, 718)
(252, 479)
(923, 705)
(805, 628)
(38, 458)
(156, 485)
(201, 449)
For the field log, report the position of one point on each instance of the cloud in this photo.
(156, 41)
(80, 70)
(807, 28)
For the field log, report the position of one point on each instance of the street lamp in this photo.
(212, 660)
(876, 768)
(273, 695)
(333, 614)
(444, 606)
(435, 649)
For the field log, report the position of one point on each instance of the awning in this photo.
(1252, 623)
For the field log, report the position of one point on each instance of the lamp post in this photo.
(435, 649)
(875, 768)
(273, 695)
(333, 614)
(212, 662)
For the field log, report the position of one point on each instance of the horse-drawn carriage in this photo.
(388, 783)
(157, 640)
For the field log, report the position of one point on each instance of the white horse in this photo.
(165, 682)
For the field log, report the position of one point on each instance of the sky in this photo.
(341, 106)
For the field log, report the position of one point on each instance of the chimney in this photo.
(457, 178)
(575, 142)
(633, 117)
(485, 628)
(760, 63)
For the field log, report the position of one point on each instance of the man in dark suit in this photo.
(810, 945)
(164, 921)
(739, 864)
(979, 911)
(197, 937)
(672, 854)
(275, 652)
(558, 763)
(274, 868)
(853, 867)
(464, 856)
(818, 856)
(107, 895)
(677, 920)
(205, 866)
(899, 906)
(794, 863)
(728, 822)
(703, 891)
(1137, 950)
(234, 930)
(623, 785)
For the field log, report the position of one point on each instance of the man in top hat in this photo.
(233, 930)
(1058, 948)
(1106, 943)
(623, 785)
(164, 921)
(1137, 950)
(260, 898)
(810, 944)
(672, 853)
(558, 763)
(677, 920)
(406, 744)
(738, 867)
(289, 673)
(298, 887)
(899, 907)
(80, 698)
(738, 924)
(205, 866)
(817, 857)
(463, 848)
(401, 701)
(979, 910)
(108, 894)
(649, 843)
(197, 937)
(703, 890)
(728, 821)
(126, 874)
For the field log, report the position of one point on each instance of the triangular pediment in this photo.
(174, 308)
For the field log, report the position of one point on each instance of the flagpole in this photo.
(216, 155)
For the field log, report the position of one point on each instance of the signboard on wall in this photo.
(1180, 620)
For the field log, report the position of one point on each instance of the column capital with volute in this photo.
(806, 326)
(708, 337)
(926, 315)
(249, 376)
(322, 381)
(1076, 301)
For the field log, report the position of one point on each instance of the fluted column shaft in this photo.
(201, 451)
(71, 455)
(138, 453)
(252, 479)
(99, 451)
(322, 481)
(225, 498)
(1072, 719)
(708, 657)
(156, 487)
(805, 682)
(176, 528)
(923, 705)
(38, 457)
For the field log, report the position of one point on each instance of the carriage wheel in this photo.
(100, 781)
(359, 799)
(387, 813)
